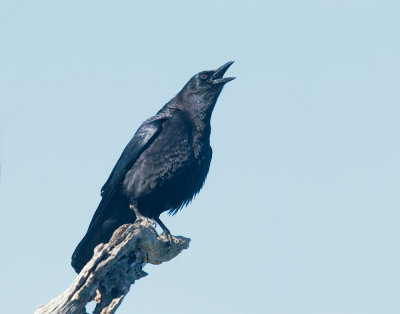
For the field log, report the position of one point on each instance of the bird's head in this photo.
(209, 81)
(203, 89)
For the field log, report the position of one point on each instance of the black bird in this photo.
(163, 166)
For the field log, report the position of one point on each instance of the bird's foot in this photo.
(166, 234)
(146, 220)
(140, 218)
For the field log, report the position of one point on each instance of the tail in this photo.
(84, 251)
(107, 218)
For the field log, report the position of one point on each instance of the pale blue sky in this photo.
(300, 212)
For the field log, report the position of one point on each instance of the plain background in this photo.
(300, 211)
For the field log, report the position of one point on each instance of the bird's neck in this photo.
(199, 120)
(198, 108)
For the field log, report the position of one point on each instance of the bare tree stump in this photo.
(114, 267)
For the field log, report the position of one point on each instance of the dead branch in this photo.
(114, 267)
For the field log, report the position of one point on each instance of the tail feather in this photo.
(114, 214)
(84, 251)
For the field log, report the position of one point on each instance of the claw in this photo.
(168, 236)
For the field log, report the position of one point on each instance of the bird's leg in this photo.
(165, 232)
(164, 228)
(140, 217)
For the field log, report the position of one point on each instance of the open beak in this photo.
(217, 77)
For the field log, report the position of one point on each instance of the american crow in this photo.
(163, 166)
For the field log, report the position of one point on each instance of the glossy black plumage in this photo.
(163, 166)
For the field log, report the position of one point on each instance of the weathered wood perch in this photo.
(114, 268)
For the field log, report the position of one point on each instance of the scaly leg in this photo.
(165, 232)
(140, 217)
(164, 228)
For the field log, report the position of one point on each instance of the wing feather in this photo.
(143, 137)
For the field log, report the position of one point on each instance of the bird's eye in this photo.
(203, 76)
